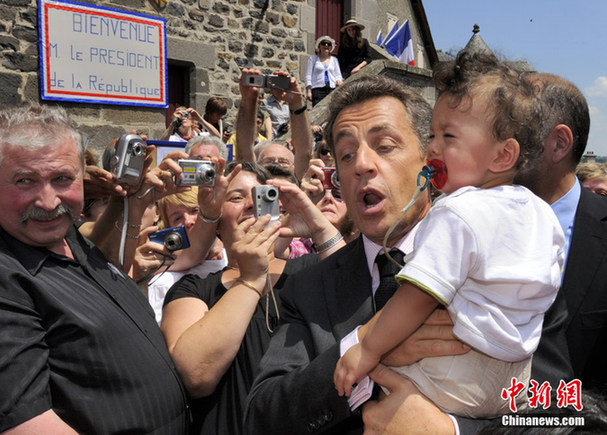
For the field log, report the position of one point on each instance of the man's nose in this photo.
(47, 198)
(365, 159)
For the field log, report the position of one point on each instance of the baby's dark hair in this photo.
(513, 109)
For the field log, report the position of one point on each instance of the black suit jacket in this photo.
(585, 291)
(294, 393)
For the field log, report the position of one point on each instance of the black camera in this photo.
(196, 173)
(173, 239)
(268, 81)
(265, 201)
(127, 163)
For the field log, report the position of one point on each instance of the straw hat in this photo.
(324, 38)
(350, 23)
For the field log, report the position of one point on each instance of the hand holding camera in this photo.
(173, 239)
(196, 173)
(253, 241)
(266, 81)
(331, 180)
(265, 201)
(128, 162)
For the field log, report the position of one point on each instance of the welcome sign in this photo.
(93, 54)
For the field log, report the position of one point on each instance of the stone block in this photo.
(289, 20)
(25, 33)
(10, 85)
(31, 91)
(7, 42)
(216, 21)
(30, 15)
(221, 8)
(197, 15)
(16, 2)
(200, 54)
(8, 13)
(21, 62)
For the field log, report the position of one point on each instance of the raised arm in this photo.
(246, 126)
(301, 130)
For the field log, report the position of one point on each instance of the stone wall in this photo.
(214, 38)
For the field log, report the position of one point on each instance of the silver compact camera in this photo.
(265, 201)
(196, 173)
(127, 163)
(173, 239)
(268, 81)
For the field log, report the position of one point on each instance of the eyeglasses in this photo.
(324, 151)
(280, 161)
(336, 193)
(325, 44)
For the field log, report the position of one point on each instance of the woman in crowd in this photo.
(323, 73)
(354, 51)
(593, 176)
(217, 329)
(153, 269)
(185, 126)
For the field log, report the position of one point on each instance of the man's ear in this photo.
(559, 143)
(506, 156)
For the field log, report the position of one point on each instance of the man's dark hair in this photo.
(513, 109)
(564, 104)
(216, 105)
(367, 88)
(277, 171)
(260, 172)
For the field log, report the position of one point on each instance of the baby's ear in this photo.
(506, 156)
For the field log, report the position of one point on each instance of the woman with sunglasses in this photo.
(327, 197)
(323, 73)
(323, 152)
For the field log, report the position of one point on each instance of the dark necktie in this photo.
(387, 283)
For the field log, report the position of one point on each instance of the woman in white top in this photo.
(323, 73)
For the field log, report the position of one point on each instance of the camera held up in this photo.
(268, 81)
(129, 159)
(173, 239)
(265, 201)
(196, 173)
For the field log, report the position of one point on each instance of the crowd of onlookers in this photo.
(276, 270)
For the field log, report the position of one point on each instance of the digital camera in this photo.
(331, 180)
(268, 81)
(196, 173)
(127, 163)
(173, 239)
(265, 201)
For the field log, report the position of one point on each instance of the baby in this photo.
(491, 252)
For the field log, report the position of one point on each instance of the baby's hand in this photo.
(351, 367)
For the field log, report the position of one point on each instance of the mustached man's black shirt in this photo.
(79, 338)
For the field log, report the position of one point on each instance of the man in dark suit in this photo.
(378, 132)
(583, 216)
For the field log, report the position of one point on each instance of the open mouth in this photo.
(370, 200)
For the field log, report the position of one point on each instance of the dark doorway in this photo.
(179, 89)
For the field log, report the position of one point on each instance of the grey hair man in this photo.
(79, 340)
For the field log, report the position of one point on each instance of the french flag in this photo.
(400, 45)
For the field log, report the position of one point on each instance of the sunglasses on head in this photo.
(324, 151)
(325, 44)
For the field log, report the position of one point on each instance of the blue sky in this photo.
(563, 37)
